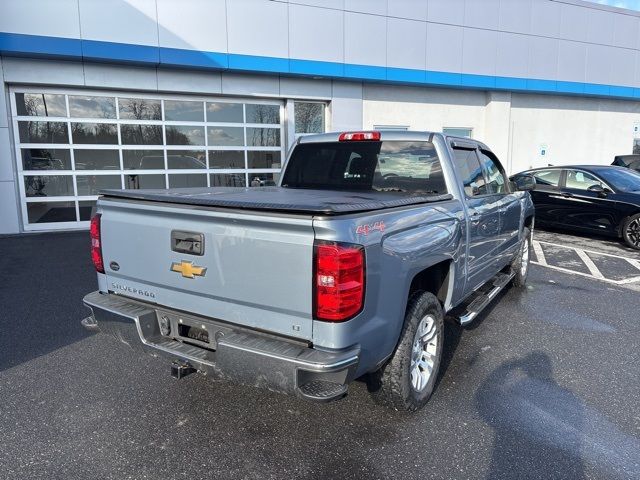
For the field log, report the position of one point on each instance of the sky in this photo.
(630, 4)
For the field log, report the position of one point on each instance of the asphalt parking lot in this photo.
(543, 385)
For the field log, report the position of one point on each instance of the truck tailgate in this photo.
(258, 267)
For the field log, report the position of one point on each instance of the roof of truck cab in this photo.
(396, 135)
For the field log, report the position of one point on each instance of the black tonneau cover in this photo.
(328, 202)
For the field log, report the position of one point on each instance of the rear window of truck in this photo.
(392, 166)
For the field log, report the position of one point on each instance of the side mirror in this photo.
(599, 189)
(525, 182)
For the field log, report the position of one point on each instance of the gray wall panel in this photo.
(307, 25)
(6, 162)
(305, 88)
(41, 17)
(444, 47)
(625, 31)
(4, 108)
(120, 76)
(346, 106)
(241, 84)
(365, 39)
(598, 63)
(411, 9)
(375, 7)
(21, 70)
(446, 11)
(545, 18)
(512, 55)
(133, 21)
(600, 26)
(543, 57)
(9, 221)
(484, 14)
(258, 27)
(193, 25)
(572, 61)
(515, 16)
(336, 4)
(622, 66)
(479, 51)
(404, 46)
(187, 81)
(574, 21)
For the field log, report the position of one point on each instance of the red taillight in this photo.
(338, 280)
(358, 136)
(96, 246)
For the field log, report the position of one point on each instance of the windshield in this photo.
(622, 179)
(394, 166)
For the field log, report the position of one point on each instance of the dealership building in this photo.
(165, 93)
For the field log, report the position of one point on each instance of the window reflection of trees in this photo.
(102, 133)
(140, 109)
(309, 117)
(43, 132)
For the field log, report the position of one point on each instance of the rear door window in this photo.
(470, 171)
(496, 181)
(579, 180)
(548, 178)
(392, 166)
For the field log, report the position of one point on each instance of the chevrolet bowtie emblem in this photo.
(188, 269)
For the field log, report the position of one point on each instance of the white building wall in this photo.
(424, 108)
(574, 130)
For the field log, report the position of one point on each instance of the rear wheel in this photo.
(407, 380)
(520, 265)
(631, 231)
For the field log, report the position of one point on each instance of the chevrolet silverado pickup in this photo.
(345, 269)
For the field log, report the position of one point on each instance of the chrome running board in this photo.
(481, 300)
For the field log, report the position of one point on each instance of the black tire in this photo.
(631, 231)
(521, 275)
(392, 385)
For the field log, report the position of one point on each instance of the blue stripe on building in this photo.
(14, 44)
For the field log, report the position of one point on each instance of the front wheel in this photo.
(407, 380)
(631, 231)
(520, 265)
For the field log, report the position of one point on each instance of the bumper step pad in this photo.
(322, 390)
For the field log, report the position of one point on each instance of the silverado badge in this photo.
(188, 269)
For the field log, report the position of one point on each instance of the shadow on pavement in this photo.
(536, 421)
(43, 280)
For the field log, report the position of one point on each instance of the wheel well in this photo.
(434, 279)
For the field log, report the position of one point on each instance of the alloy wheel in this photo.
(424, 353)
(633, 232)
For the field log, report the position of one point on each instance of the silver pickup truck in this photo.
(345, 269)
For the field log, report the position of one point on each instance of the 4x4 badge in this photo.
(188, 269)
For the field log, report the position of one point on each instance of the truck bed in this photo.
(327, 202)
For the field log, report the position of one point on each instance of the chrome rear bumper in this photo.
(231, 352)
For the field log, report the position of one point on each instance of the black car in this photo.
(629, 161)
(603, 199)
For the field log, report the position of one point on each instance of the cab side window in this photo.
(470, 171)
(497, 183)
(548, 178)
(581, 180)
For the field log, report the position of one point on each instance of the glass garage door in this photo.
(70, 145)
